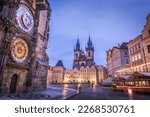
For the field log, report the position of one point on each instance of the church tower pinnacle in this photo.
(77, 48)
(90, 44)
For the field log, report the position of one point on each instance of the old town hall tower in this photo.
(24, 32)
(82, 58)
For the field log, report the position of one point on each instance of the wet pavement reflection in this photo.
(97, 92)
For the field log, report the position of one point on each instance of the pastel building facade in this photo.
(117, 58)
(84, 69)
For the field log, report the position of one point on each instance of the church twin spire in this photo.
(81, 58)
(89, 45)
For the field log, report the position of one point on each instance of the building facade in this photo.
(136, 51)
(24, 31)
(102, 73)
(84, 69)
(117, 58)
(146, 43)
(82, 75)
(139, 52)
(58, 73)
(50, 75)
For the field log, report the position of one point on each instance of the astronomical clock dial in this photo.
(19, 50)
(24, 18)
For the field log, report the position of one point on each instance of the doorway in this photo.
(13, 84)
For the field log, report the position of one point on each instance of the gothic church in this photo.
(82, 59)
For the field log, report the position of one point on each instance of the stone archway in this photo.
(13, 84)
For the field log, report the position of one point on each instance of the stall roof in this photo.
(124, 76)
(145, 73)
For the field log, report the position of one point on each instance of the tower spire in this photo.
(89, 37)
(78, 44)
(90, 44)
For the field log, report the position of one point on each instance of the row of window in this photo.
(117, 64)
(135, 48)
(89, 54)
(137, 69)
(136, 57)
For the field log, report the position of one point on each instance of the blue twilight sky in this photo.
(109, 22)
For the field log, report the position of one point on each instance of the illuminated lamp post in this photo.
(130, 94)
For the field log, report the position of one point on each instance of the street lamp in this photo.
(130, 93)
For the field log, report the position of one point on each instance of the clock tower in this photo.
(24, 31)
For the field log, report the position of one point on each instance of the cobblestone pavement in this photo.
(61, 92)
(106, 93)
(53, 92)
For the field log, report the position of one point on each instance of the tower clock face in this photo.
(24, 18)
(19, 50)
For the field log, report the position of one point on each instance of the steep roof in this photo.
(60, 64)
(124, 45)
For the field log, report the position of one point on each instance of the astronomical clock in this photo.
(19, 50)
(24, 18)
(23, 64)
(19, 46)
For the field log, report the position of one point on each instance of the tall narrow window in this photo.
(139, 45)
(148, 48)
(139, 56)
(127, 61)
(76, 55)
(126, 53)
(130, 50)
(89, 53)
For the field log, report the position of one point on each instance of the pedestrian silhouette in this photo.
(79, 88)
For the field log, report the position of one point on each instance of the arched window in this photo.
(82, 64)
